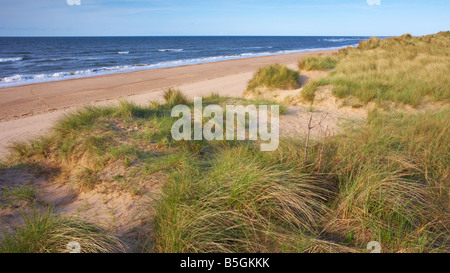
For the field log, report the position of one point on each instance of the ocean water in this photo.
(28, 60)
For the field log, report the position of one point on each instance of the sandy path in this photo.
(29, 111)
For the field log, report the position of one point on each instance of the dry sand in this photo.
(29, 111)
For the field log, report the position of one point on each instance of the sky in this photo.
(223, 17)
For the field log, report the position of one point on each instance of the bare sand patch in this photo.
(327, 113)
(328, 116)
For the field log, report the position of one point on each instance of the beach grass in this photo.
(319, 62)
(44, 232)
(84, 143)
(392, 177)
(174, 97)
(237, 202)
(274, 77)
(25, 193)
(385, 181)
(401, 70)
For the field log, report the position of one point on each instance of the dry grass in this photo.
(44, 232)
(392, 179)
(384, 182)
(174, 97)
(239, 203)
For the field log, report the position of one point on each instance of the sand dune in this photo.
(29, 111)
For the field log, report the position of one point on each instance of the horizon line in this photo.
(110, 36)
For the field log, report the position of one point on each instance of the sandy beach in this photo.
(30, 110)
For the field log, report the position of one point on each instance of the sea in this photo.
(29, 60)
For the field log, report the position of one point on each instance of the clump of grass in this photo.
(25, 193)
(319, 62)
(309, 90)
(83, 143)
(391, 178)
(17, 196)
(403, 70)
(85, 178)
(240, 203)
(174, 97)
(372, 43)
(44, 232)
(391, 175)
(274, 77)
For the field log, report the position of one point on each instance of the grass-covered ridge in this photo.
(319, 62)
(406, 70)
(84, 144)
(274, 77)
(385, 182)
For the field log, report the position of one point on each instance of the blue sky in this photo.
(222, 17)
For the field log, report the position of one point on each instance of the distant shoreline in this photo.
(26, 100)
(32, 60)
(179, 63)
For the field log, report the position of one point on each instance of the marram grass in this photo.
(240, 203)
(403, 70)
(274, 77)
(319, 62)
(44, 232)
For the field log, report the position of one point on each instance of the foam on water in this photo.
(171, 50)
(4, 60)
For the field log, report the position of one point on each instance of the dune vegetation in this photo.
(318, 62)
(386, 180)
(274, 77)
(44, 232)
(401, 70)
